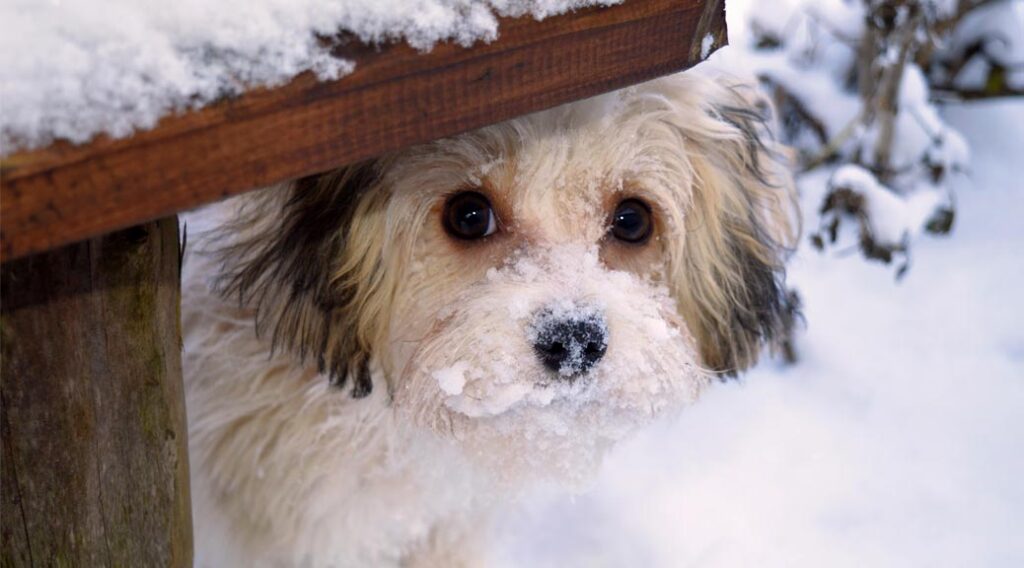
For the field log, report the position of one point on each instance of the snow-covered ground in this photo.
(897, 440)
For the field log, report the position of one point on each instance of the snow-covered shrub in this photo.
(857, 83)
(984, 56)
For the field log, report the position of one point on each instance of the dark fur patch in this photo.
(759, 318)
(284, 271)
(752, 123)
(762, 309)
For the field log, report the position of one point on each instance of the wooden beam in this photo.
(395, 98)
(94, 463)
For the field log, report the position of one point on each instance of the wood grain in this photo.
(396, 97)
(94, 463)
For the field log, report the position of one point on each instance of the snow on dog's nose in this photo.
(569, 342)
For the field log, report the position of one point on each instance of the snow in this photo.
(895, 441)
(706, 43)
(72, 69)
(892, 218)
(452, 379)
(819, 42)
(503, 385)
(510, 416)
(919, 127)
(806, 55)
(1000, 26)
(807, 66)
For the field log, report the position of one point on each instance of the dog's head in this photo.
(537, 288)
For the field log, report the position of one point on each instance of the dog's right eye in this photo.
(631, 222)
(469, 215)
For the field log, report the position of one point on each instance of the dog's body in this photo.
(376, 357)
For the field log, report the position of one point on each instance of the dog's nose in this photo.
(570, 344)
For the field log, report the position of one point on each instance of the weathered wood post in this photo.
(94, 460)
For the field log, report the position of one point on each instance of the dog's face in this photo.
(535, 289)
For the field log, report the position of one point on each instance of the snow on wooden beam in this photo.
(395, 98)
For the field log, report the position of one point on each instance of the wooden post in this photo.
(94, 463)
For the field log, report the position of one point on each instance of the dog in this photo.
(379, 356)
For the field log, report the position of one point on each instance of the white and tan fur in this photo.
(361, 386)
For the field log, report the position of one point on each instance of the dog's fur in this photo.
(362, 387)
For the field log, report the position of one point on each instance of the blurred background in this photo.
(889, 431)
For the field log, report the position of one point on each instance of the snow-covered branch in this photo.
(857, 85)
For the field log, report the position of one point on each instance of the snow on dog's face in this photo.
(541, 362)
(537, 289)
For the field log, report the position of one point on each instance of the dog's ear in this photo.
(290, 254)
(741, 224)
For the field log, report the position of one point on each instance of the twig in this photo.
(835, 143)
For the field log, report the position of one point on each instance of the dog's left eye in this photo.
(469, 215)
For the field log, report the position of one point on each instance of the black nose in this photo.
(570, 344)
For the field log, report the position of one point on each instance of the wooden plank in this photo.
(94, 463)
(395, 98)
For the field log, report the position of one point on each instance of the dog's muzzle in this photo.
(569, 342)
